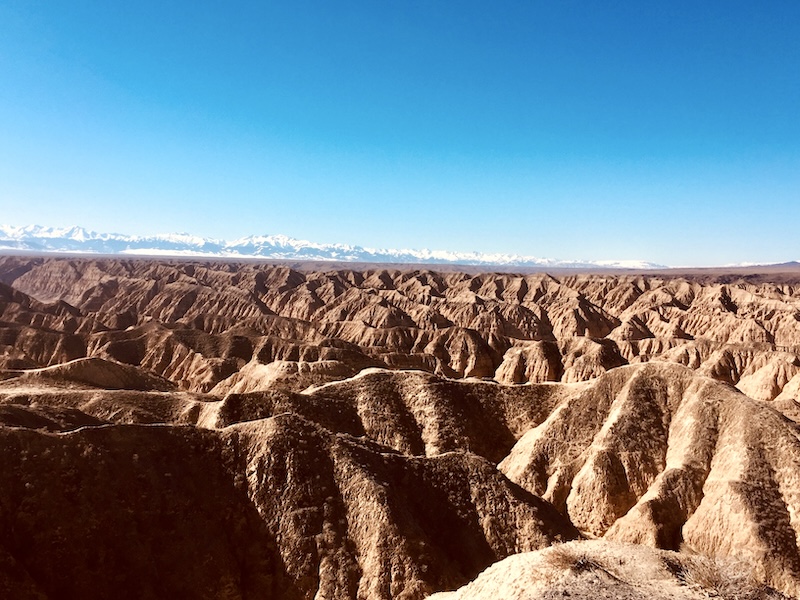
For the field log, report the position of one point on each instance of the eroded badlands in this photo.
(224, 430)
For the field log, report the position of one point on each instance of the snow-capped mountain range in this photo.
(36, 238)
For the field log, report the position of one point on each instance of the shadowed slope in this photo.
(274, 508)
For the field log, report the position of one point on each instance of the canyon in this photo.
(241, 429)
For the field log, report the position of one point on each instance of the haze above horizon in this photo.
(666, 132)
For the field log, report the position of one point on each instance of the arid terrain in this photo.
(190, 429)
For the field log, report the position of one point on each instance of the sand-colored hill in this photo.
(277, 508)
(612, 571)
(223, 430)
(93, 372)
(198, 324)
(653, 454)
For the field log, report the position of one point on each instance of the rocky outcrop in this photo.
(387, 434)
(199, 323)
(275, 508)
(601, 569)
(531, 361)
(653, 454)
(93, 372)
(657, 455)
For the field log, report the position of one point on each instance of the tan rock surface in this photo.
(199, 323)
(94, 372)
(338, 434)
(656, 455)
(272, 508)
(612, 571)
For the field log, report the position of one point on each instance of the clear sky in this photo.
(666, 131)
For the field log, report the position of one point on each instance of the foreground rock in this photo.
(612, 571)
(653, 454)
(276, 508)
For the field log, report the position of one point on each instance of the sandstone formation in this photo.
(198, 324)
(277, 507)
(612, 571)
(224, 430)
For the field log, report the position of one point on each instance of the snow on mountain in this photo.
(36, 238)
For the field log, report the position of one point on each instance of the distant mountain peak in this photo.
(38, 238)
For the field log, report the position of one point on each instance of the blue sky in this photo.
(663, 131)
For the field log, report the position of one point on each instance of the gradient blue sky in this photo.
(663, 131)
